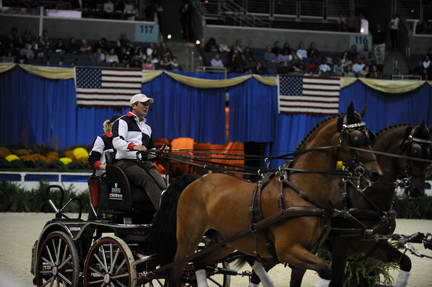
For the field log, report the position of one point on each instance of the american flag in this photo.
(106, 87)
(308, 95)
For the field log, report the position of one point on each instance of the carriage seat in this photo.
(113, 194)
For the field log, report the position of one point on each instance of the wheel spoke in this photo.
(64, 279)
(58, 251)
(115, 260)
(97, 282)
(100, 262)
(64, 262)
(65, 252)
(96, 271)
(104, 258)
(48, 281)
(50, 256)
(121, 284)
(48, 262)
(120, 266)
(120, 276)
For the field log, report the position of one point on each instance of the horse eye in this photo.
(357, 138)
(415, 149)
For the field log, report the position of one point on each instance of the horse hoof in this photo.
(324, 272)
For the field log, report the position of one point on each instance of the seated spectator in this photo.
(211, 46)
(148, 65)
(324, 68)
(337, 68)
(112, 57)
(237, 62)
(342, 22)
(301, 52)
(217, 62)
(85, 47)
(269, 56)
(108, 7)
(366, 54)
(373, 72)
(283, 57)
(359, 68)
(259, 69)
(100, 56)
(345, 60)
(175, 66)
(427, 68)
(352, 52)
(60, 47)
(27, 52)
(129, 11)
(165, 63)
(312, 51)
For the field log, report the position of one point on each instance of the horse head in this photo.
(416, 143)
(355, 138)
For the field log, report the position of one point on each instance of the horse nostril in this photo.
(375, 175)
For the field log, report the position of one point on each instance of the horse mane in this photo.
(384, 130)
(162, 235)
(312, 131)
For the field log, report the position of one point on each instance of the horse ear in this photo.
(340, 123)
(350, 116)
(350, 109)
(363, 111)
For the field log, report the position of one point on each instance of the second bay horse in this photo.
(222, 203)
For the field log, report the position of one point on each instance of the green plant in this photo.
(417, 207)
(13, 198)
(363, 271)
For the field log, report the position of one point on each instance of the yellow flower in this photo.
(80, 152)
(12, 157)
(4, 152)
(65, 160)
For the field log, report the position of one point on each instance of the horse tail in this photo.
(162, 235)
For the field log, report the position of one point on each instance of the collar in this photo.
(109, 135)
(132, 115)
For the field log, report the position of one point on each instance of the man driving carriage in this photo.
(131, 134)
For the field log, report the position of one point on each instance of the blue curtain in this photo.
(290, 131)
(183, 111)
(253, 112)
(384, 109)
(90, 120)
(34, 110)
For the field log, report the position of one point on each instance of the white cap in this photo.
(140, 98)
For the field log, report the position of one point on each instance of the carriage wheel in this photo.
(219, 279)
(109, 262)
(216, 277)
(58, 261)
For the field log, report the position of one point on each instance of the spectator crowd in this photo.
(26, 48)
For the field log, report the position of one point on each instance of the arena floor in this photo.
(20, 230)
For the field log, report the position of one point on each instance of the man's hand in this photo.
(139, 148)
(102, 166)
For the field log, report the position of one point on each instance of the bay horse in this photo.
(222, 203)
(405, 140)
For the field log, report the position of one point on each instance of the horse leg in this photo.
(299, 257)
(261, 274)
(297, 276)
(387, 253)
(339, 260)
(211, 258)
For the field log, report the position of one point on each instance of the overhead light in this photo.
(169, 36)
(197, 42)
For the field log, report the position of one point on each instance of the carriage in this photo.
(114, 247)
(108, 249)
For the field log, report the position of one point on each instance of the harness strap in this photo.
(256, 216)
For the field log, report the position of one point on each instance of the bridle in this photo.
(410, 144)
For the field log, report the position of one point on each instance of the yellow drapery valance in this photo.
(149, 75)
(4, 67)
(385, 86)
(59, 73)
